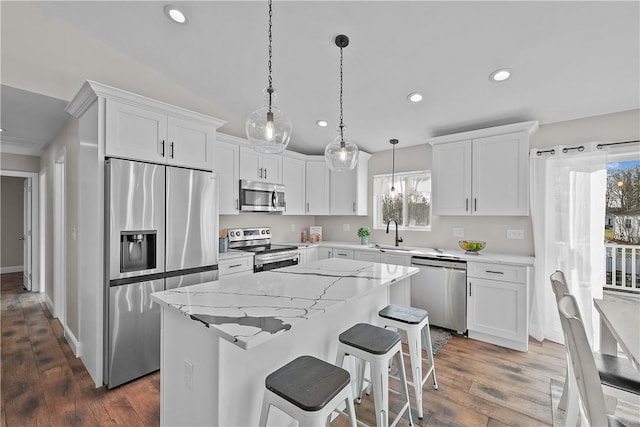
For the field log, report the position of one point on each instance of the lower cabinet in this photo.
(325, 252)
(308, 254)
(370, 256)
(232, 267)
(497, 304)
(342, 253)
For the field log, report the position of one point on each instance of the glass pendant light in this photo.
(392, 192)
(268, 128)
(341, 154)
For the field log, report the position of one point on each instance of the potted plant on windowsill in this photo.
(364, 233)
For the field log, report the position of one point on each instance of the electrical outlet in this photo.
(515, 234)
(188, 374)
(457, 232)
(346, 227)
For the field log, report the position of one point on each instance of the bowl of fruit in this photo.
(472, 247)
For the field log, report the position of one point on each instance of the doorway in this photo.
(29, 236)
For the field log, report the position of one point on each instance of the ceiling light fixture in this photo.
(500, 75)
(392, 192)
(322, 123)
(2, 129)
(175, 14)
(268, 128)
(341, 154)
(414, 97)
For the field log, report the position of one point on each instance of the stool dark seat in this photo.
(617, 372)
(410, 315)
(307, 382)
(369, 338)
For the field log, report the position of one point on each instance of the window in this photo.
(412, 205)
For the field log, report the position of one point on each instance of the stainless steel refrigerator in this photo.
(160, 233)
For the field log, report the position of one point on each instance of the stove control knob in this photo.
(262, 231)
(268, 231)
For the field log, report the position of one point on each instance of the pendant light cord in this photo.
(341, 124)
(270, 88)
(393, 167)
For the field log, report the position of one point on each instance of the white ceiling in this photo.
(569, 60)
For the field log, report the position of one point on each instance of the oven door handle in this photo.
(268, 258)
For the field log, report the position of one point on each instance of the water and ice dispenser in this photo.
(137, 250)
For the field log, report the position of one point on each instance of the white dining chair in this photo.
(587, 378)
(617, 374)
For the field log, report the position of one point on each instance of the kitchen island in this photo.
(221, 339)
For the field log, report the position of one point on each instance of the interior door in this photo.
(26, 233)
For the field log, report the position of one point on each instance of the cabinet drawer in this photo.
(501, 272)
(235, 265)
(343, 253)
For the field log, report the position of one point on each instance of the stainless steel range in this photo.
(267, 256)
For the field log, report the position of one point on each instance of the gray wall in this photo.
(19, 163)
(11, 212)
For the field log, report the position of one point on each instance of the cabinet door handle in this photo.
(466, 204)
(307, 206)
(354, 206)
(237, 203)
(172, 149)
(265, 173)
(494, 272)
(162, 148)
(469, 288)
(235, 265)
(260, 172)
(475, 204)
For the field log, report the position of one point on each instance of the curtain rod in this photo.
(601, 146)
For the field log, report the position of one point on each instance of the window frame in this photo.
(377, 200)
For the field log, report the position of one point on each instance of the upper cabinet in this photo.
(293, 178)
(349, 189)
(317, 187)
(484, 172)
(139, 128)
(256, 166)
(226, 164)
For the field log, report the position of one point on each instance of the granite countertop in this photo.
(482, 256)
(252, 309)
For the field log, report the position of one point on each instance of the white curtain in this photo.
(568, 213)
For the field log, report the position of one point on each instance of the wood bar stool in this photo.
(415, 322)
(308, 390)
(376, 346)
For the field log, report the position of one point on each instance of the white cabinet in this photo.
(149, 133)
(238, 266)
(308, 254)
(226, 164)
(293, 178)
(349, 189)
(497, 304)
(394, 258)
(317, 188)
(325, 252)
(370, 256)
(256, 166)
(483, 172)
(342, 253)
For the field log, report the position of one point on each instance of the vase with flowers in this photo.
(364, 233)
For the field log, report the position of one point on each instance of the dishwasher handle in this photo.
(431, 262)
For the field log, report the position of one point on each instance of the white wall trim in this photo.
(47, 300)
(13, 269)
(72, 340)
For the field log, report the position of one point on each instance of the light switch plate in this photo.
(457, 232)
(515, 234)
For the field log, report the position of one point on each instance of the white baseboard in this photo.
(47, 300)
(14, 269)
(72, 340)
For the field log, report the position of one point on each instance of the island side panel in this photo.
(243, 372)
(184, 341)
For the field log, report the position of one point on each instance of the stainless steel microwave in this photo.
(261, 197)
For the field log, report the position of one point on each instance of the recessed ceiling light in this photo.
(415, 97)
(500, 75)
(175, 14)
(322, 123)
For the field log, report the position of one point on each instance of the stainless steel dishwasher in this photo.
(440, 288)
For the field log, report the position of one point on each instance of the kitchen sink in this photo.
(391, 247)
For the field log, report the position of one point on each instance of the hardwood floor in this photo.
(43, 384)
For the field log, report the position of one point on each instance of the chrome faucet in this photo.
(398, 239)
